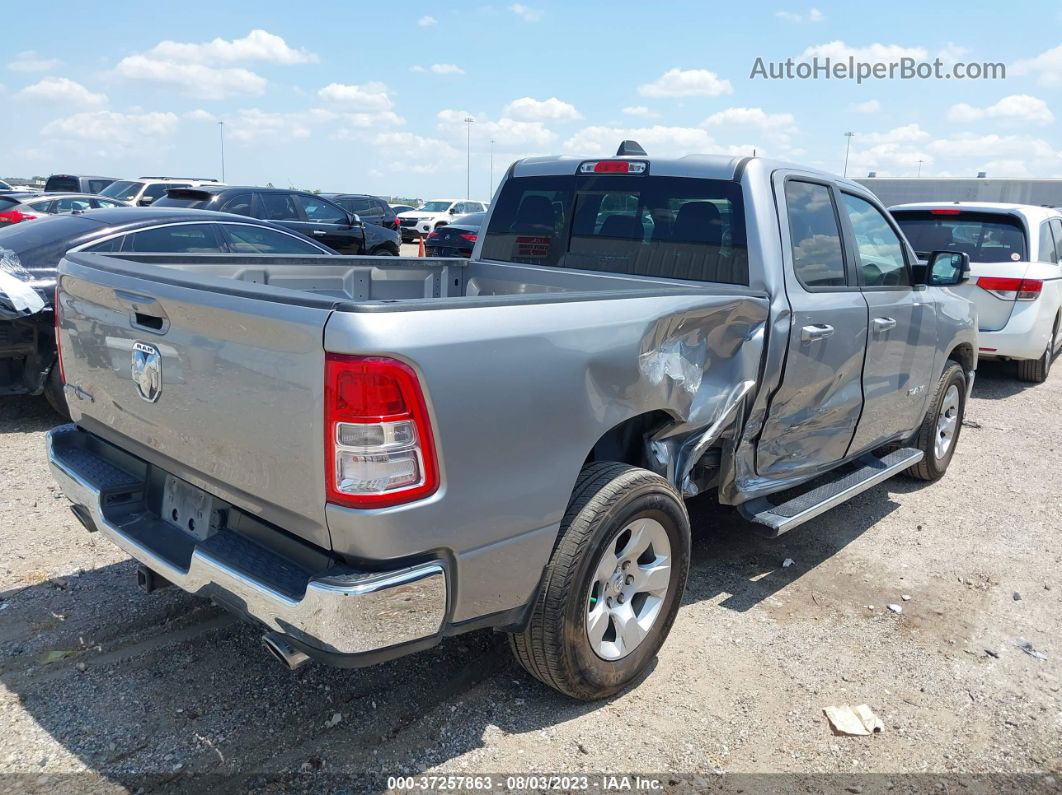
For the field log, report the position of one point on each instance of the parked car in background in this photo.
(73, 183)
(433, 214)
(401, 208)
(146, 190)
(1016, 267)
(30, 253)
(18, 207)
(371, 209)
(5, 186)
(367, 456)
(301, 212)
(456, 239)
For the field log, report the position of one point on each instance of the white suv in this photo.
(1016, 273)
(433, 214)
(145, 190)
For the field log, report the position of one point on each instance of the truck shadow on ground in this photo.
(999, 380)
(22, 414)
(157, 690)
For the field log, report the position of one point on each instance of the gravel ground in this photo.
(99, 679)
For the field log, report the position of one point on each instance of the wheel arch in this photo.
(965, 354)
(625, 442)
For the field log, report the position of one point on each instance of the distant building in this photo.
(1044, 192)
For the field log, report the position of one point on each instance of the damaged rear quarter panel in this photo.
(517, 412)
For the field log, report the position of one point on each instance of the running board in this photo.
(778, 519)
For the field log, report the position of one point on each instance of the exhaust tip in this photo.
(282, 650)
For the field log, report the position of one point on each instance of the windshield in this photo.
(436, 207)
(123, 190)
(986, 237)
(671, 227)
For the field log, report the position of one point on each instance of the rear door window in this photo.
(986, 237)
(670, 227)
(878, 246)
(818, 256)
(259, 240)
(70, 204)
(96, 185)
(1056, 229)
(319, 211)
(176, 239)
(277, 207)
(1046, 246)
(240, 204)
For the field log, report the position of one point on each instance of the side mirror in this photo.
(145, 201)
(355, 220)
(453, 211)
(947, 268)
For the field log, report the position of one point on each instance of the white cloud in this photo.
(641, 112)
(112, 128)
(205, 70)
(951, 52)
(907, 134)
(445, 69)
(364, 98)
(196, 80)
(258, 45)
(510, 135)
(353, 122)
(30, 61)
(531, 109)
(199, 115)
(750, 117)
(427, 22)
(813, 15)
(419, 154)
(1047, 66)
(870, 106)
(525, 13)
(64, 91)
(658, 140)
(873, 53)
(686, 83)
(253, 125)
(1017, 108)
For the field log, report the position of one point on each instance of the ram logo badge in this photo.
(147, 371)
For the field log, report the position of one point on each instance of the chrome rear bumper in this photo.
(338, 610)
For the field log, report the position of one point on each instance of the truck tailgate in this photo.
(235, 407)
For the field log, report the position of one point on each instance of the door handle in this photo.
(813, 333)
(319, 232)
(884, 324)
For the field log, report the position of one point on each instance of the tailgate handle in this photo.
(145, 312)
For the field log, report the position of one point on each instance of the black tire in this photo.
(555, 647)
(54, 394)
(383, 251)
(931, 467)
(1035, 371)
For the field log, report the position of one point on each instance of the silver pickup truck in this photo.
(365, 455)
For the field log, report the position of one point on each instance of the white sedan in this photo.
(1016, 273)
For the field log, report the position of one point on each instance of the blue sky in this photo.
(371, 96)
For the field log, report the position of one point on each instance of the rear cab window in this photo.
(985, 236)
(63, 183)
(670, 227)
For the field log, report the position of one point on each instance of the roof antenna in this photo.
(630, 148)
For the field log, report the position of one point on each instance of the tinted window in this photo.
(158, 190)
(62, 183)
(321, 212)
(1056, 228)
(179, 239)
(96, 185)
(672, 227)
(1046, 247)
(258, 240)
(818, 259)
(472, 219)
(239, 204)
(360, 206)
(277, 207)
(879, 247)
(114, 244)
(986, 237)
(123, 190)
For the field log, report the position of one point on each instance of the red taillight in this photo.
(944, 212)
(1010, 289)
(378, 439)
(612, 167)
(15, 217)
(434, 235)
(58, 348)
(469, 236)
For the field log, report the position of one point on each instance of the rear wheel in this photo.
(613, 584)
(939, 432)
(54, 394)
(1035, 371)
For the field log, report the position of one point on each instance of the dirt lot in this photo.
(96, 676)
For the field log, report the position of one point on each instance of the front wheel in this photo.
(613, 584)
(383, 251)
(939, 432)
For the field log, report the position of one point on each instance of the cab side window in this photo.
(320, 211)
(277, 207)
(879, 247)
(818, 257)
(240, 204)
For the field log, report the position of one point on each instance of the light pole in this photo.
(468, 156)
(221, 134)
(847, 148)
(920, 167)
(490, 191)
